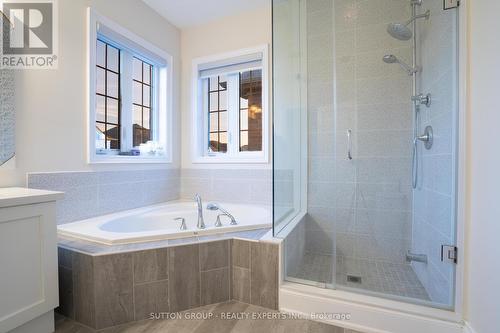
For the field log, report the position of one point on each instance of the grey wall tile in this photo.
(151, 297)
(120, 196)
(62, 180)
(66, 307)
(114, 290)
(79, 203)
(117, 177)
(215, 286)
(65, 257)
(240, 284)
(89, 194)
(151, 265)
(214, 255)
(264, 274)
(184, 277)
(240, 253)
(83, 289)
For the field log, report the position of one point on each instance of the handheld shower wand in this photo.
(392, 59)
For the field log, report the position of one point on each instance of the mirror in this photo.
(7, 116)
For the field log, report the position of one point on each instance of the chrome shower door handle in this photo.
(349, 144)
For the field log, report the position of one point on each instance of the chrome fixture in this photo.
(422, 99)
(218, 222)
(401, 31)
(201, 222)
(183, 223)
(349, 144)
(392, 59)
(416, 257)
(426, 138)
(214, 206)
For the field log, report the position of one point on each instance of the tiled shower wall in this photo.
(434, 199)
(7, 116)
(369, 198)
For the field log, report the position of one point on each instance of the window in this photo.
(250, 83)
(231, 110)
(217, 113)
(143, 94)
(108, 99)
(130, 96)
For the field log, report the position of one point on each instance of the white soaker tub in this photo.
(157, 223)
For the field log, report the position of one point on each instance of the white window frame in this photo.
(162, 99)
(200, 115)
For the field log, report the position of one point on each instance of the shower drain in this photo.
(353, 278)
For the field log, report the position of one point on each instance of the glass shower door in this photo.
(380, 208)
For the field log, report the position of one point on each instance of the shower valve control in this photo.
(422, 99)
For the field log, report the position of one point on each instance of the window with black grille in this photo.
(142, 101)
(108, 99)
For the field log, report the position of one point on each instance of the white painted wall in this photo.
(482, 303)
(50, 104)
(228, 34)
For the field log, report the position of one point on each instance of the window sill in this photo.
(230, 160)
(117, 159)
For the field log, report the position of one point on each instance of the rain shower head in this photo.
(392, 59)
(401, 31)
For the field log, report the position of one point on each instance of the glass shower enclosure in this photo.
(365, 145)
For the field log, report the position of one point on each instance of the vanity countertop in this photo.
(17, 196)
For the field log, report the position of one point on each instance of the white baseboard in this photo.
(366, 317)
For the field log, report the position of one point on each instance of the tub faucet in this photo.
(214, 206)
(201, 222)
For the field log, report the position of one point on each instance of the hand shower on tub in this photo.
(218, 223)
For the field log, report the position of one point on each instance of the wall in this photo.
(50, 104)
(482, 299)
(224, 35)
(434, 198)
(211, 180)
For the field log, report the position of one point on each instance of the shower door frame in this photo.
(305, 299)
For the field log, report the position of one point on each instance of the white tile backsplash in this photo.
(231, 185)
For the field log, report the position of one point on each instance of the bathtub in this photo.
(156, 222)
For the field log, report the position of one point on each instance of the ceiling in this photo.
(188, 13)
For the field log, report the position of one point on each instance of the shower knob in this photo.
(427, 138)
(422, 99)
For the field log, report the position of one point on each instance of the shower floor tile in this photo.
(382, 277)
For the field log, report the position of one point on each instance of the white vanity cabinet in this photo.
(28, 260)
